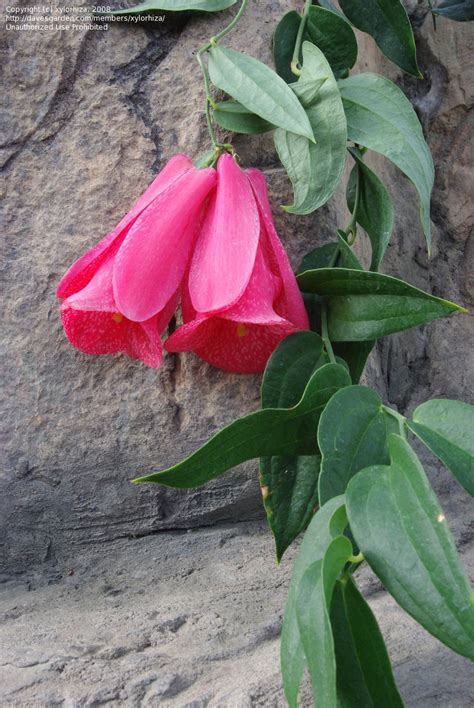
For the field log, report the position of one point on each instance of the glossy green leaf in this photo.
(231, 115)
(355, 354)
(290, 482)
(284, 39)
(363, 306)
(364, 672)
(381, 118)
(334, 36)
(459, 10)
(329, 522)
(375, 209)
(352, 434)
(329, 5)
(447, 428)
(312, 611)
(401, 530)
(176, 6)
(267, 432)
(387, 22)
(315, 169)
(259, 89)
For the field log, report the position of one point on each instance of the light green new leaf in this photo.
(402, 532)
(176, 6)
(381, 118)
(329, 522)
(375, 209)
(352, 435)
(232, 115)
(290, 482)
(315, 169)
(363, 306)
(259, 89)
(387, 22)
(282, 431)
(364, 672)
(447, 428)
(312, 611)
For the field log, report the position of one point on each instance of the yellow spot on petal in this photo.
(242, 330)
(117, 317)
(441, 518)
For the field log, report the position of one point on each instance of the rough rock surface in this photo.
(91, 117)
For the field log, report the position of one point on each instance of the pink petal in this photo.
(225, 251)
(107, 333)
(256, 304)
(290, 304)
(240, 348)
(98, 294)
(84, 268)
(152, 259)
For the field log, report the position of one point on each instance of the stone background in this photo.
(90, 117)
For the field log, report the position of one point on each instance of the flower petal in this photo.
(225, 252)
(151, 261)
(96, 332)
(80, 273)
(232, 346)
(290, 304)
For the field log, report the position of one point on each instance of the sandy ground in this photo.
(187, 619)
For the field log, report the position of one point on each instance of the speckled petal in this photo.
(152, 259)
(81, 272)
(290, 303)
(225, 252)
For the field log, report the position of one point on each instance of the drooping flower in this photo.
(120, 295)
(241, 297)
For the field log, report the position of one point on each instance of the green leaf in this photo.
(352, 435)
(447, 428)
(290, 482)
(364, 672)
(381, 118)
(284, 39)
(307, 91)
(312, 610)
(176, 6)
(355, 354)
(329, 522)
(259, 89)
(335, 38)
(232, 115)
(315, 169)
(329, 5)
(363, 306)
(337, 255)
(459, 10)
(387, 22)
(375, 209)
(267, 432)
(205, 159)
(401, 530)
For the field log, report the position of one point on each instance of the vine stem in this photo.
(295, 61)
(351, 228)
(325, 335)
(399, 418)
(210, 103)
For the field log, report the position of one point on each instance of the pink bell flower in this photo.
(121, 295)
(241, 297)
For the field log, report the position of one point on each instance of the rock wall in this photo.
(91, 117)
